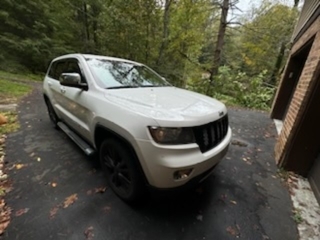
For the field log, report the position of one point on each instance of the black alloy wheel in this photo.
(122, 174)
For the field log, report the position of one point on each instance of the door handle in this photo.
(62, 90)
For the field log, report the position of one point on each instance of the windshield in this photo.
(116, 74)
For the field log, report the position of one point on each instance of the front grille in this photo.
(211, 134)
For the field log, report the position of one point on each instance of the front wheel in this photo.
(123, 176)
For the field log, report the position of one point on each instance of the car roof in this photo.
(92, 56)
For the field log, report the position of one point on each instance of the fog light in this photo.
(182, 174)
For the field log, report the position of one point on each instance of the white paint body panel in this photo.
(129, 112)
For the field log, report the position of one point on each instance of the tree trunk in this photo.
(165, 33)
(95, 12)
(147, 48)
(277, 66)
(86, 23)
(220, 41)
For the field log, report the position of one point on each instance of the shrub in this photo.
(237, 89)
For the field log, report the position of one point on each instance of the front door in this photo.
(74, 103)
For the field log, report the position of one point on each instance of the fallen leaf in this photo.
(38, 159)
(89, 192)
(231, 230)
(53, 212)
(70, 200)
(32, 154)
(89, 233)
(54, 184)
(21, 212)
(244, 159)
(100, 190)
(107, 208)
(3, 225)
(19, 166)
(233, 202)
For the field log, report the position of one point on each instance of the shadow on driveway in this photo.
(58, 193)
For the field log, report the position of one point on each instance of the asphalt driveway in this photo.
(59, 193)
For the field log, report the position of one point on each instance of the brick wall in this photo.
(300, 96)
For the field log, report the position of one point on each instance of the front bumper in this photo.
(160, 162)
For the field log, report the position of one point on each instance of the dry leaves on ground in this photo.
(3, 119)
(53, 212)
(234, 231)
(106, 209)
(100, 190)
(67, 202)
(89, 233)
(5, 212)
(21, 212)
(70, 200)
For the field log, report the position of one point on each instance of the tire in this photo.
(123, 176)
(52, 114)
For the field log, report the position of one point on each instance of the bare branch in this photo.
(193, 62)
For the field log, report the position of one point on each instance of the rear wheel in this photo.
(52, 114)
(122, 174)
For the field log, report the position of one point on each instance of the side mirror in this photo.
(72, 80)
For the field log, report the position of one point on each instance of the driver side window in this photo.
(73, 67)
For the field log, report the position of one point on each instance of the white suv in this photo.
(145, 131)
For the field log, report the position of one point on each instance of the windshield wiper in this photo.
(117, 87)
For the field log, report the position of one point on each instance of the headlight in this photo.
(172, 135)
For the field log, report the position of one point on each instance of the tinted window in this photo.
(65, 66)
(56, 69)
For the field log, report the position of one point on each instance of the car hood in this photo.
(167, 105)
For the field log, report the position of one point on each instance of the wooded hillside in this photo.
(209, 46)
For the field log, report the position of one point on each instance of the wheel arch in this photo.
(101, 133)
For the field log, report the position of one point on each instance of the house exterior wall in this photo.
(302, 90)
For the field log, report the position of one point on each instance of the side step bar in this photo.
(75, 137)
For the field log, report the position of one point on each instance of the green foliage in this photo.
(297, 217)
(254, 45)
(11, 126)
(10, 91)
(177, 41)
(238, 89)
(23, 75)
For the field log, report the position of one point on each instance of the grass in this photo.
(11, 91)
(297, 216)
(20, 76)
(284, 175)
(12, 125)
